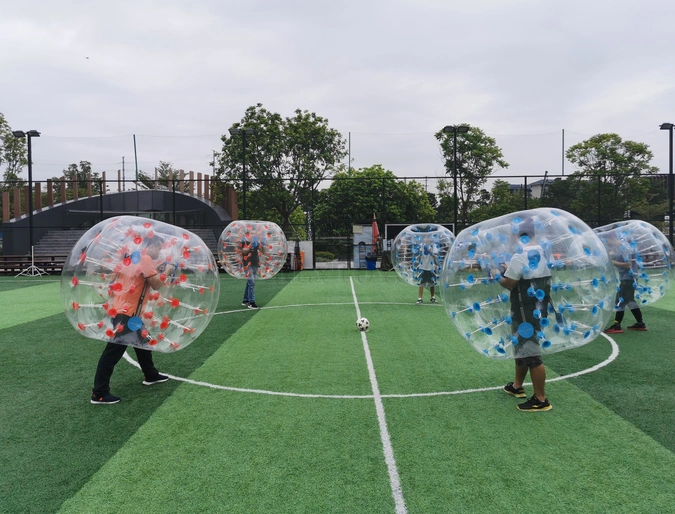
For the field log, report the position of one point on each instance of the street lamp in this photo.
(454, 129)
(29, 135)
(669, 128)
(243, 133)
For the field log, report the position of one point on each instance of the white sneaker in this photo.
(419, 301)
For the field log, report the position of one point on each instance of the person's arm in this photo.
(622, 264)
(150, 272)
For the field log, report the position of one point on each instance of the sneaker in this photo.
(518, 392)
(157, 380)
(106, 399)
(638, 326)
(419, 301)
(253, 305)
(245, 303)
(534, 404)
(433, 299)
(614, 329)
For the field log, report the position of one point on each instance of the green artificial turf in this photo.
(606, 446)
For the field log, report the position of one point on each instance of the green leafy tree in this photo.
(477, 157)
(355, 195)
(82, 174)
(12, 156)
(167, 175)
(498, 202)
(614, 171)
(286, 160)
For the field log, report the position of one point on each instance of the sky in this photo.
(536, 75)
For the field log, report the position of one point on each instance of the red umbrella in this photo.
(376, 234)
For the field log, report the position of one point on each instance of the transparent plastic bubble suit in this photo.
(565, 290)
(241, 237)
(101, 279)
(645, 262)
(419, 251)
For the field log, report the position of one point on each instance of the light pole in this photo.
(669, 128)
(29, 135)
(454, 129)
(243, 133)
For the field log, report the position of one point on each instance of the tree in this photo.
(355, 195)
(477, 157)
(614, 170)
(166, 173)
(12, 156)
(498, 202)
(286, 160)
(82, 174)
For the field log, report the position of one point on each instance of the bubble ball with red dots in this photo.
(103, 279)
(248, 247)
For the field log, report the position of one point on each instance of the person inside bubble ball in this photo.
(528, 277)
(624, 259)
(427, 272)
(251, 259)
(127, 304)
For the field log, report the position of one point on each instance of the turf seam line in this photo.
(394, 478)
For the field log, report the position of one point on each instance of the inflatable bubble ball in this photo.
(528, 283)
(257, 247)
(643, 258)
(140, 282)
(419, 251)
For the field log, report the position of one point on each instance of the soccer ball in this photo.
(362, 324)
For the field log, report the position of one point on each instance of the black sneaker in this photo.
(253, 305)
(433, 299)
(419, 301)
(638, 326)
(614, 329)
(518, 392)
(244, 303)
(534, 405)
(157, 380)
(106, 399)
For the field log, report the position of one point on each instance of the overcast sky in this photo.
(386, 74)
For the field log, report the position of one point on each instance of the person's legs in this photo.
(618, 318)
(147, 365)
(538, 376)
(637, 314)
(111, 355)
(420, 291)
(432, 289)
(521, 373)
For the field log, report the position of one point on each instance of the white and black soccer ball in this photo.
(362, 324)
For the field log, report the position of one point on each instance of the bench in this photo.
(15, 264)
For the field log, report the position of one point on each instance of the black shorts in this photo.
(427, 278)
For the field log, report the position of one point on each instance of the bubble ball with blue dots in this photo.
(643, 257)
(528, 283)
(419, 251)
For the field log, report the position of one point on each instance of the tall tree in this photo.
(614, 169)
(167, 175)
(12, 156)
(82, 174)
(498, 202)
(355, 195)
(477, 157)
(286, 160)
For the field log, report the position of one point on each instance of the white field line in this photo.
(606, 362)
(394, 479)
